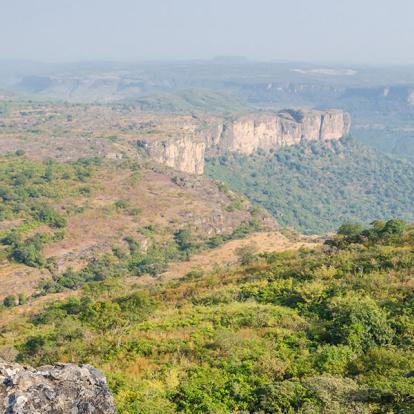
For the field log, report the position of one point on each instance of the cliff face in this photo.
(185, 154)
(58, 389)
(266, 131)
(246, 134)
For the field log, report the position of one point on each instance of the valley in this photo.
(206, 254)
(85, 181)
(314, 187)
(206, 207)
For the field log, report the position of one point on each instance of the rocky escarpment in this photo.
(267, 131)
(246, 134)
(185, 154)
(58, 389)
(179, 141)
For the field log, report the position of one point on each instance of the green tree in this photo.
(184, 239)
(22, 299)
(359, 322)
(10, 301)
(350, 229)
(247, 254)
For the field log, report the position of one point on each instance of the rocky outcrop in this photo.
(246, 134)
(267, 131)
(57, 389)
(185, 154)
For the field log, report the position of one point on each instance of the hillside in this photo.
(65, 217)
(303, 186)
(314, 187)
(67, 132)
(328, 330)
(190, 100)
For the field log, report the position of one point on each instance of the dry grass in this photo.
(225, 255)
(69, 132)
(101, 226)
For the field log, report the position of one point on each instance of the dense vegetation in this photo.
(314, 187)
(27, 191)
(398, 141)
(329, 330)
(27, 186)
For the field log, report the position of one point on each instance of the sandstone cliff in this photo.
(58, 389)
(246, 134)
(179, 141)
(185, 154)
(266, 131)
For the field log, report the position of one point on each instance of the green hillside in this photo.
(314, 187)
(189, 100)
(319, 331)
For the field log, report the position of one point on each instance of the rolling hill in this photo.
(190, 100)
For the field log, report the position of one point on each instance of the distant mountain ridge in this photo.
(379, 99)
(190, 100)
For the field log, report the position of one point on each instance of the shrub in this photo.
(121, 204)
(133, 244)
(22, 299)
(135, 211)
(136, 306)
(284, 397)
(359, 322)
(47, 215)
(103, 315)
(29, 252)
(184, 239)
(209, 390)
(333, 359)
(247, 254)
(10, 301)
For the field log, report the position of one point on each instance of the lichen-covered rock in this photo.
(57, 389)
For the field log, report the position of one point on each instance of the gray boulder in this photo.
(57, 389)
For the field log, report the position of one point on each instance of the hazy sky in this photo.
(368, 31)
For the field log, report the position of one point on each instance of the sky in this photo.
(334, 31)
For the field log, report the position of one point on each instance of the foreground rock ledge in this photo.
(57, 389)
